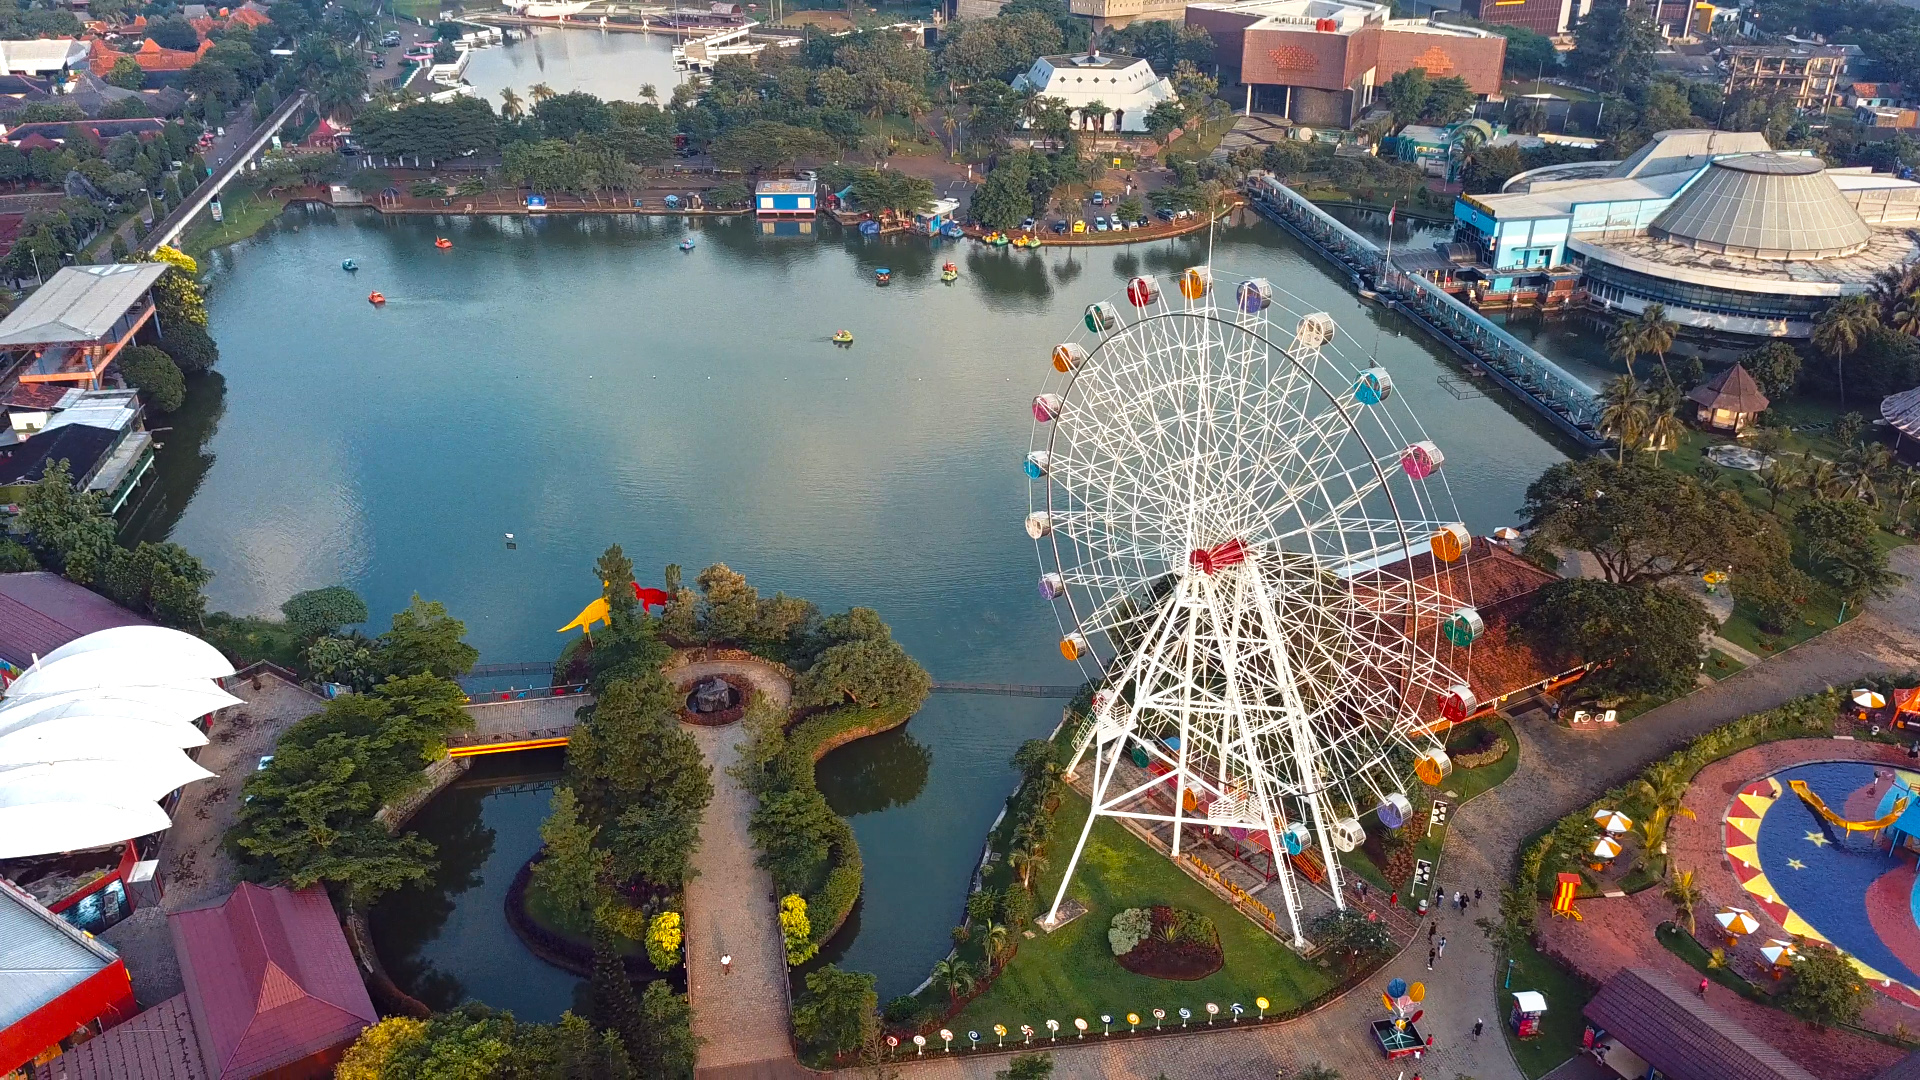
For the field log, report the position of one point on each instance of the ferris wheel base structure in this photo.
(1228, 516)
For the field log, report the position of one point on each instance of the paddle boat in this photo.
(948, 272)
(882, 276)
(843, 337)
(999, 240)
(1026, 242)
(953, 231)
(376, 298)
(687, 244)
(349, 265)
(442, 243)
(869, 227)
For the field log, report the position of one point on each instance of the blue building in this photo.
(1727, 234)
(786, 198)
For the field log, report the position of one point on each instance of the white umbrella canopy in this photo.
(1737, 920)
(102, 779)
(182, 649)
(180, 703)
(94, 737)
(1613, 821)
(1869, 699)
(105, 669)
(53, 825)
(1779, 952)
(1606, 848)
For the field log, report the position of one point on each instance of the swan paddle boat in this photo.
(843, 337)
(442, 243)
(882, 276)
(376, 298)
(687, 244)
(349, 265)
(948, 272)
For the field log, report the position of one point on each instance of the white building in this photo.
(1125, 85)
(44, 56)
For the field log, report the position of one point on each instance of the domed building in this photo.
(1726, 233)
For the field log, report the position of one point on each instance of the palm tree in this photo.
(1097, 112)
(1906, 485)
(1685, 893)
(511, 106)
(648, 94)
(1026, 862)
(1823, 478)
(1627, 342)
(541, 92)
(1656, 334)
(1624, 412)
(1906, 314)
(956, 975)
(1782, 476)
(1840, 330)
(995, 939)
(1861, 468)
(1664, 430)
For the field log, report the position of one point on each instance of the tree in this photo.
(68, 530)
(615, 1006)
(670, 1045)
(1406, 95)
(1624, 413)
(957, 976)
(1825, 989)
(425, 638)
(1774, 367)
(318, 612)
(1645, 524)
(728, 604)
(1165, 118)
(162, 581)
(512, 106)
(1352, 933)
(1026, 861)
(570, 869)
(794, 830)
(1448, 99)
(1530, 54)
(1655, 333)
(1627, 342)
(1686, 894)
(1839, 538)
(890, 189)
(768, 144)
(367, 1058)
(1650, 635)
(838, 1010)
(615, 571)
(127, 74)
(1614, 46)
(1840, 330)
(873, 674)
(155, 375)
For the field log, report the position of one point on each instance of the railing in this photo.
(1563, 399)
(171, 226)
(537, 667)
(530, 693)
(1006, 689)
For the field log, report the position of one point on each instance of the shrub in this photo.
(190, 346)
(1129, 929)
(1016, 908)
(664, 938)
(797, 931)
(1195, 927)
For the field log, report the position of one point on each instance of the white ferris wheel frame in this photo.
(1217, 654)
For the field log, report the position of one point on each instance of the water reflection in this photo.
(181, 463)
(889, 769)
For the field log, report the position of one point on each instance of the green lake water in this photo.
(579, 382)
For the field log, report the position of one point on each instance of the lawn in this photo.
(1561, 1028)
(1198, 143)
(1072, 973)
(424, 11)
(244, 212)
(1720, 665)
(1533, 86)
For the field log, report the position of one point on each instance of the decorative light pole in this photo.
(920, 1045)
(1186, 1014)
(1106, 1025)
(1158, 1015)
(1262, 1003)
(1081, 1024)
(946, 1036)
(1053, 1030)
(974, 1038)
(1133, 1022)
(1237, 1010)
(1000, 1033)
(1212, 1011)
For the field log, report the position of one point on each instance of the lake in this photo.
(580, 381)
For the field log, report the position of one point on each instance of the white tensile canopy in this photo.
(92, 737)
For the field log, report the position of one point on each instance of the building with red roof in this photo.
(56, 983)
(150, 56)
(271, 990)
(41, 611)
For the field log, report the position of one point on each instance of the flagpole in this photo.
(1386, 269)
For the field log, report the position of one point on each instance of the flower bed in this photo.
(1176, 944)
(730, 715)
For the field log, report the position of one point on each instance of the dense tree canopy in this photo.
(1649, 636)
(434, 131)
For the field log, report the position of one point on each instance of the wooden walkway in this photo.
(521, 724)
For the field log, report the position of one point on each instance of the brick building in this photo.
(1319, 61)
(1549, 17)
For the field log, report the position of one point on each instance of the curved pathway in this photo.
(1560, 770)
(740, 1015)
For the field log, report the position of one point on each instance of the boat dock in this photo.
(1564, 401)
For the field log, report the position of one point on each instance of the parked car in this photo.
(1143, 223)
(1060, 227)
(1099, 198)
(1079, 226)
(1163, 214)
(1027, 224)
(390, 38)
(1100, 224)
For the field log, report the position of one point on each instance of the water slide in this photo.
(1819, 806)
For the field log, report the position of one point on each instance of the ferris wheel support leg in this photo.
(1330, 856)
(1098, 792)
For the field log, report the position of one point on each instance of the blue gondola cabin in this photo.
(785, 198)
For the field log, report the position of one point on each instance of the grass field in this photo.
(1560, 1030)
(244, 212)
(1072, 973)
(1720, 665)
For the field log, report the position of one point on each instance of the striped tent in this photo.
(1902, 412)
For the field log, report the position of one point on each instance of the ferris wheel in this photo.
(1248, 540)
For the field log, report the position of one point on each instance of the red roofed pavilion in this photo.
(270, 983)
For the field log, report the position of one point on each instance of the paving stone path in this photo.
(1560, 769)
(739, 1014)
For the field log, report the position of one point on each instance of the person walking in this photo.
(1443, 946)
(1432, 955)
(1432, 929)
(1459, 900)
(1703, 987)
(1476, 898)
(726, 964)
(1478, 1026)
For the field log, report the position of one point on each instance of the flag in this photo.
(1390, 211)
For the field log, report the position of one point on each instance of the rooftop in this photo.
(158, 1044)
(1764, 206)
(1732, 389)
(80, 445)
(1347, 15)
(786, 187)
(41, 956)
(78, 304)
(269, 979)
(1682, 1036)
(41, 611)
